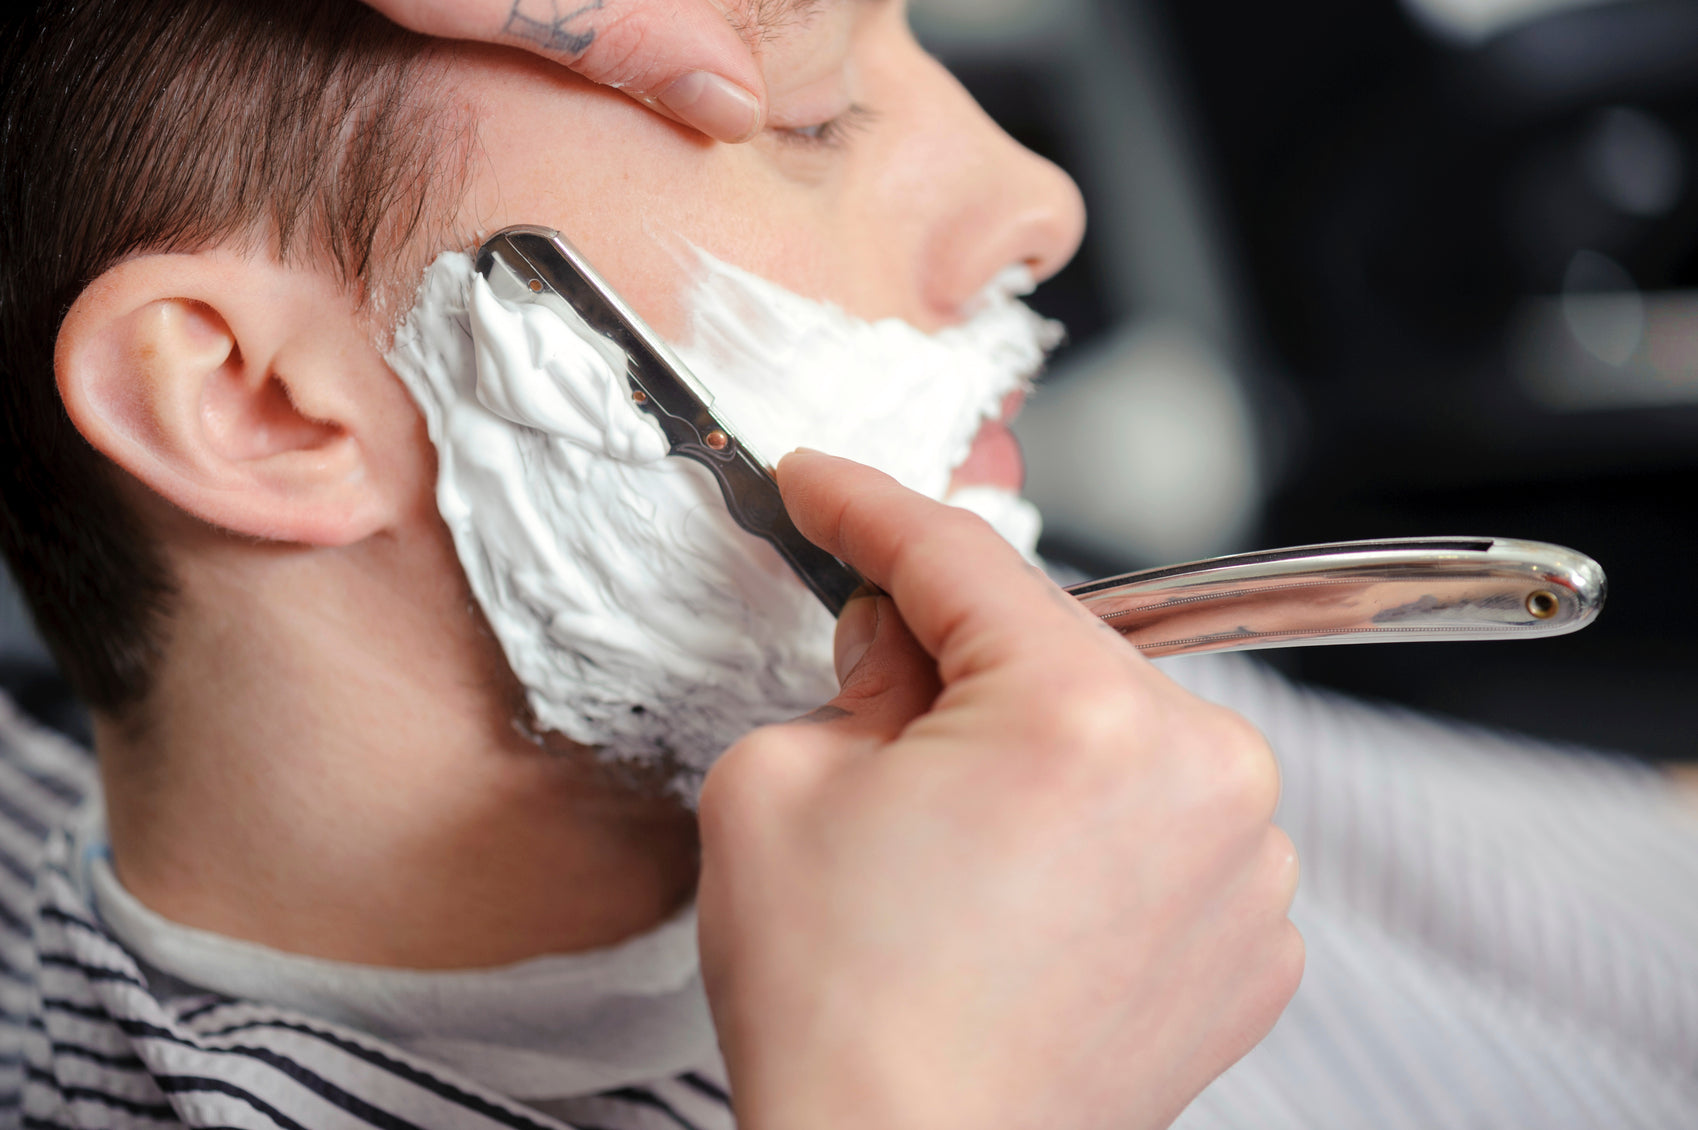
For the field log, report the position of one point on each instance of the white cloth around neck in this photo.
(548, 1028)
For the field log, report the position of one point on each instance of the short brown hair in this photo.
(172, 125)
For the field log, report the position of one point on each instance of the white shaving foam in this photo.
(640, 618)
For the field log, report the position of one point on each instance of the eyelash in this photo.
(832, 133)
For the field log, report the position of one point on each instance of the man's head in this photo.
(219, 359)
(308, 130)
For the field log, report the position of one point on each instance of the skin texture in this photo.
(328, 764)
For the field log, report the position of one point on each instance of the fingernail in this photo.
(857, 627)
(716, 106)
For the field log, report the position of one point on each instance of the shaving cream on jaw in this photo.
(639, 617)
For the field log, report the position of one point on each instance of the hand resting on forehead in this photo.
(689, 59)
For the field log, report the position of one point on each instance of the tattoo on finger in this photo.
(545, 23)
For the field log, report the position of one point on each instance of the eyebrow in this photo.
(771, 18)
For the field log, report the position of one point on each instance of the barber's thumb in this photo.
(882, 670)
(887, 679)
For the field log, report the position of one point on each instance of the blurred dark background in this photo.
(1369, 268)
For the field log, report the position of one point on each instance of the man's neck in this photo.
(328, 766)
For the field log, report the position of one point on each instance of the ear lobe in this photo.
(196, 394)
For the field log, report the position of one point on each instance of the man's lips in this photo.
(994, 459)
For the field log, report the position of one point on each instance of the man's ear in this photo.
(245, 393)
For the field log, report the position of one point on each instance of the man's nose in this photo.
(1000, 205)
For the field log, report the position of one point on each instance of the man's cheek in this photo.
(640, 619)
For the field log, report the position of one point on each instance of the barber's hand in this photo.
(1012, 876)
(683, 58)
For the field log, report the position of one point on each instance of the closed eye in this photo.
(833, 132)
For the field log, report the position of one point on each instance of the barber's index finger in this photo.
(690, 60)
(969, 598)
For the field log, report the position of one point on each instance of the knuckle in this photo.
(1282, 865)
(1288, 959)
(718, 801)
(746, 777)
(1247, 776)
(624, 52)
(421, 16)
(757, 755)
(1279, 973)
(950, 536)
(966, 522)
(1089, 716)
(1269, 976)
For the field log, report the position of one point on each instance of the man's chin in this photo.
(994, 461)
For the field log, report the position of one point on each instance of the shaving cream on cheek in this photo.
(639, 617)
(789, 372)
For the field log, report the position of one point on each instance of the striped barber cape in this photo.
(90, 1038)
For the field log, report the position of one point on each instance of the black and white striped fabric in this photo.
(87, 1041)
(1502, 935)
